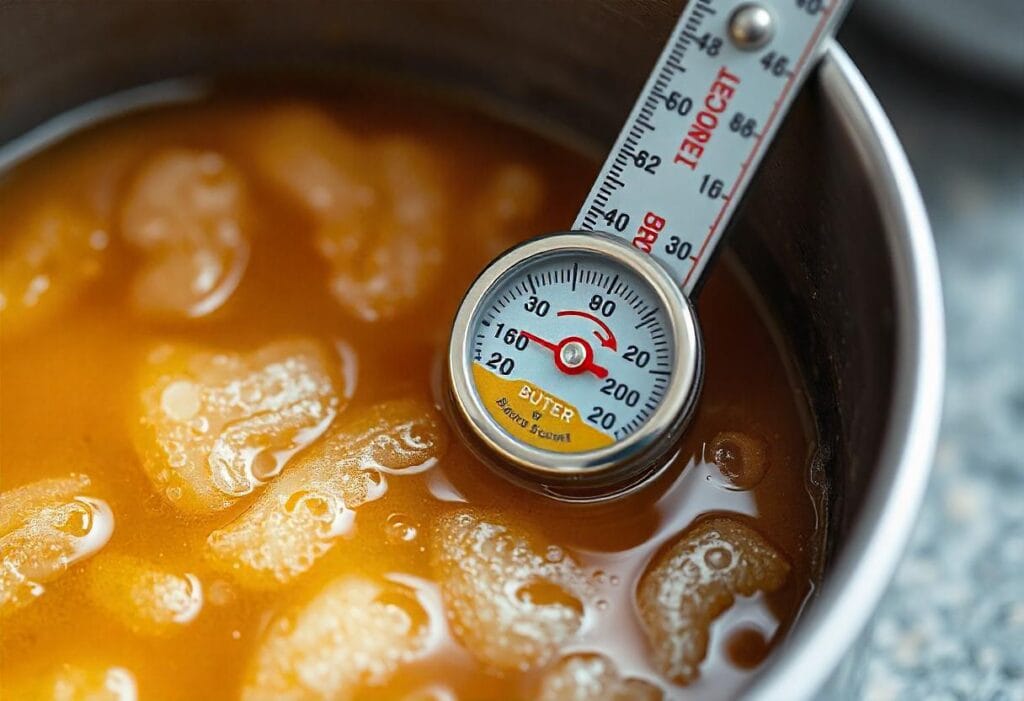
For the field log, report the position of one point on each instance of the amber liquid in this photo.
(69, 393)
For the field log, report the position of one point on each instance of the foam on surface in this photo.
(509, 605)
(144, 597)
(592, 677)
(45, 528)
(47, 256)
(692, 582)
(186, 214)
(380, 215)
(215, 426)
(300, 516)
(354, 632)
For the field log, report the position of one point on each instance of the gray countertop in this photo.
(952, 623)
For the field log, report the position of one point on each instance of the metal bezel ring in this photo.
(617, 464)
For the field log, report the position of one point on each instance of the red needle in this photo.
(599, 371)
(540, 341)
(587, 366)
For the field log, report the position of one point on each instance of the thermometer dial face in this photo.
(583, 341)
(573, 354)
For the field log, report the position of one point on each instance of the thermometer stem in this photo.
(702, 124)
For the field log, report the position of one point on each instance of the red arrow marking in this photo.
(607, 342)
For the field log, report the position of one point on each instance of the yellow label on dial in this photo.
(536, 417)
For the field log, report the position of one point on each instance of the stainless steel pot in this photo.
(833, 232)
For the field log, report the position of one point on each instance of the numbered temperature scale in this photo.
(576, 359)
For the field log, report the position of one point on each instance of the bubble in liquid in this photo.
(180, 400)
(718, 558)
(554, 554)
(265, 466)
(321, 508)
(539, 592)
(742, 459)
(399, 529)
(747, 647)
(76, 521)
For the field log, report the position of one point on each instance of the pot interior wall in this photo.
(810, 233)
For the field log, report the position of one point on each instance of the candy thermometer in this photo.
(576, 360)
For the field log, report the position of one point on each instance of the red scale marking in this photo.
(826, 12)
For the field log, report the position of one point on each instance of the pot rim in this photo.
(860, 575)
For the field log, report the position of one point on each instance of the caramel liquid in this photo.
(69, 394)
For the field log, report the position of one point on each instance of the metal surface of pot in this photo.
(833, 232)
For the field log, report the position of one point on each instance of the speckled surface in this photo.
(952, 623)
